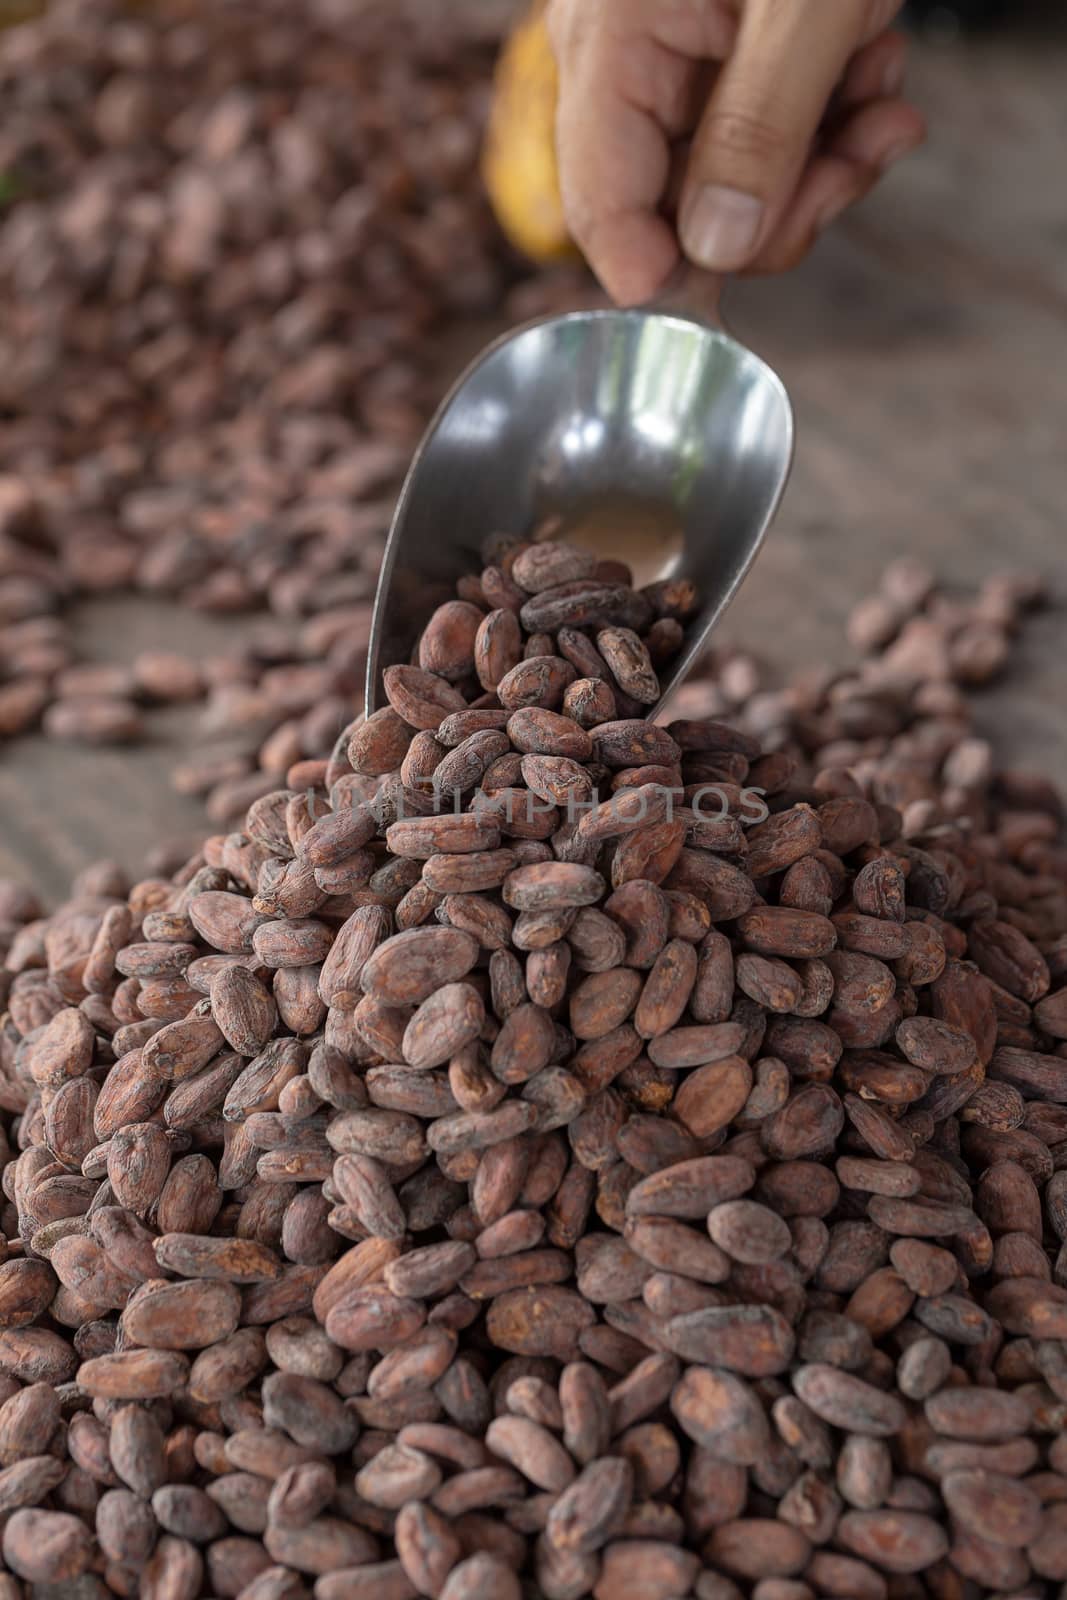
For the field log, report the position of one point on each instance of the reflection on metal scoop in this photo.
(651, 436)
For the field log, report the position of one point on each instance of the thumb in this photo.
(756, 132)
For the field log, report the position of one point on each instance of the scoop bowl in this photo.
(651, 436)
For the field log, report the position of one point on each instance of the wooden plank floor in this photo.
(923, 347)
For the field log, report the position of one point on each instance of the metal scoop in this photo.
(650, 435)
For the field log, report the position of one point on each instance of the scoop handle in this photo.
(691, 292)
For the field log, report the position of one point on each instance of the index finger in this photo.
(614, 162)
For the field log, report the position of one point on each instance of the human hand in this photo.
(730, 131)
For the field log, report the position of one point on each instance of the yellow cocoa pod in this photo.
(519, 158)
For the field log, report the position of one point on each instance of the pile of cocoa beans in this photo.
(549, 1153)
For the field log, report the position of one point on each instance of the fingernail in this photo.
(721, 226)
(893, 77)
(896, 152)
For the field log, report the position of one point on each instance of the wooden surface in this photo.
(924, 349)
(64, 805)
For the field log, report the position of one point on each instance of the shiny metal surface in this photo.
(657, 438)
